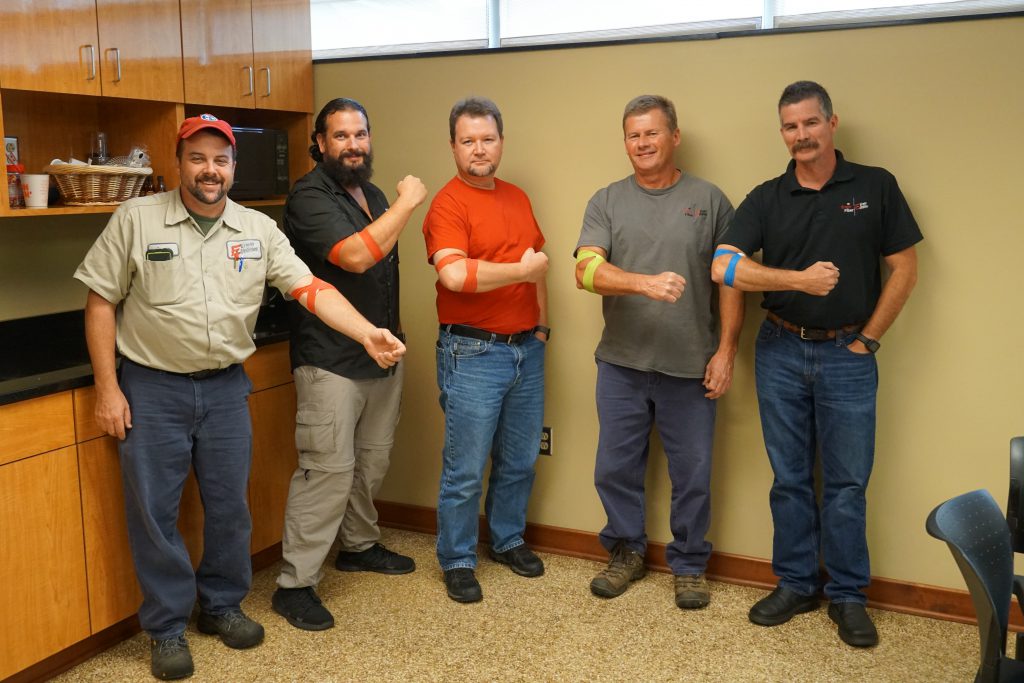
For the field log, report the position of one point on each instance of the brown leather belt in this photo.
(814, 333)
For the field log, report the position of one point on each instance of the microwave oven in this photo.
(262, 168)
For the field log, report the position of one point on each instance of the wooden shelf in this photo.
(6, 212)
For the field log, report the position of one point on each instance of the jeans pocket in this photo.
(314, 433)
(465, 347)
(767, 331)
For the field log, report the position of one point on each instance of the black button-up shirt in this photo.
(318, 214)
(858, 216)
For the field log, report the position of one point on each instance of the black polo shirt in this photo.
(317, 215)
(858, 216)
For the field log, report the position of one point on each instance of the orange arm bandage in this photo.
(469, 285)
(371, 246)
(310, 291)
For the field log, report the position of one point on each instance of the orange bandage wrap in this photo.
(335, 255)
(371, 245)
(447, 261)
(470, 284)
(310, 291)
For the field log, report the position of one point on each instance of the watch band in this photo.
(543, 328)
(870, 344)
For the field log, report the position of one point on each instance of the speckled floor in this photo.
(404, 628)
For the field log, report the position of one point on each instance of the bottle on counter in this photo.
(14, 193)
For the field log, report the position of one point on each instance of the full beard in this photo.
(349, 176)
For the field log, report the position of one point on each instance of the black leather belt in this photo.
(484, 335)
(198, 374)
(814, 333)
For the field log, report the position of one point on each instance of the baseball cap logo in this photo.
(208, 117)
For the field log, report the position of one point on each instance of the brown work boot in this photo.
(624, 567)
(692, 591)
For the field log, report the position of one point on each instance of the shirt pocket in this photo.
(164, 281)
(245, 284)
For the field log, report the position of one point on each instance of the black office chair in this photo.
(1015, 520)
(973, 527)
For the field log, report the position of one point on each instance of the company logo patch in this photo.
(245, 249)
(694, 212)
(853, 206)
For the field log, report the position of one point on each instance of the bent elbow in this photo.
(718, 271)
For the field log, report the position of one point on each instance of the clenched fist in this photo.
(535, 265)
(819, 279)
(411, 189)
(667, 286)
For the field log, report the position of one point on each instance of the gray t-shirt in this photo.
(651, 232)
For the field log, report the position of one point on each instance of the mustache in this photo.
(208, 178)
(805, 144)
(349, 154)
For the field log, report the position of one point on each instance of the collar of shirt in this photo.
(177, 213)
(843, 173)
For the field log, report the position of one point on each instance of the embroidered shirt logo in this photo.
(853, 206)
(694, 212)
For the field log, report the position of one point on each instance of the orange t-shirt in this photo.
(491, 225)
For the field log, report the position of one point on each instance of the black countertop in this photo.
(46, 354)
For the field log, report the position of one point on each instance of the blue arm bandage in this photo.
(730, 270)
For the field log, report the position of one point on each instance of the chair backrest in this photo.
(974, 528)
(1015, 505)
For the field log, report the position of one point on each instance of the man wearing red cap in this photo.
(175, 283)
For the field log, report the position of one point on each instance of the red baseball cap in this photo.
(194, 124)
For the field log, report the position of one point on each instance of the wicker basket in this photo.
(97, 185)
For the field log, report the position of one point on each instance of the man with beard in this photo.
(342, 228)
(175, 281)
(817, 377)
(484, 243)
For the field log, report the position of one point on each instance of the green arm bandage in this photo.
(588, 274)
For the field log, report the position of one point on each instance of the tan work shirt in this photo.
(188, 302)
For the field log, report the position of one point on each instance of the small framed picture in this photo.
(11, 150)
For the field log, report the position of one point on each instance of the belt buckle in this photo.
(802, 336)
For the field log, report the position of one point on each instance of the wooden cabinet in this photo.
(248, 54)
(50, 45)
(42, 574)
(92, 47)
(274, 459)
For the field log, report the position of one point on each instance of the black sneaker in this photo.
(376, 558)
(234, 628)
(520, 559)
(462, 585)
(170, 658)
(302, 608)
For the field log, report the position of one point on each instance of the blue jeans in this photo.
(492, 395)
(629, 403)
(818, 397)
(180, 424)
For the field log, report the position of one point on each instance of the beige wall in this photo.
(939, 105)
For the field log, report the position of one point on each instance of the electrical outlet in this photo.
(547, 441)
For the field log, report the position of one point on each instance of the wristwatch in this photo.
(872, 345)
(542, 328)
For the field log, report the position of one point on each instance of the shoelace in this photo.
(618, 567)
(233, 619)
(690, 582)
(170, 646)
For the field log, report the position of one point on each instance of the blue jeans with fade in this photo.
(180, 424)
(492, 395)
(818, 397)
(629, 403)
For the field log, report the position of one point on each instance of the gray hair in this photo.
(804, 90)
(645, 103)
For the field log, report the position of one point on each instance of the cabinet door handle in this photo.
(267, 69)
(92, 62)
(252, 84)
(117, 62)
